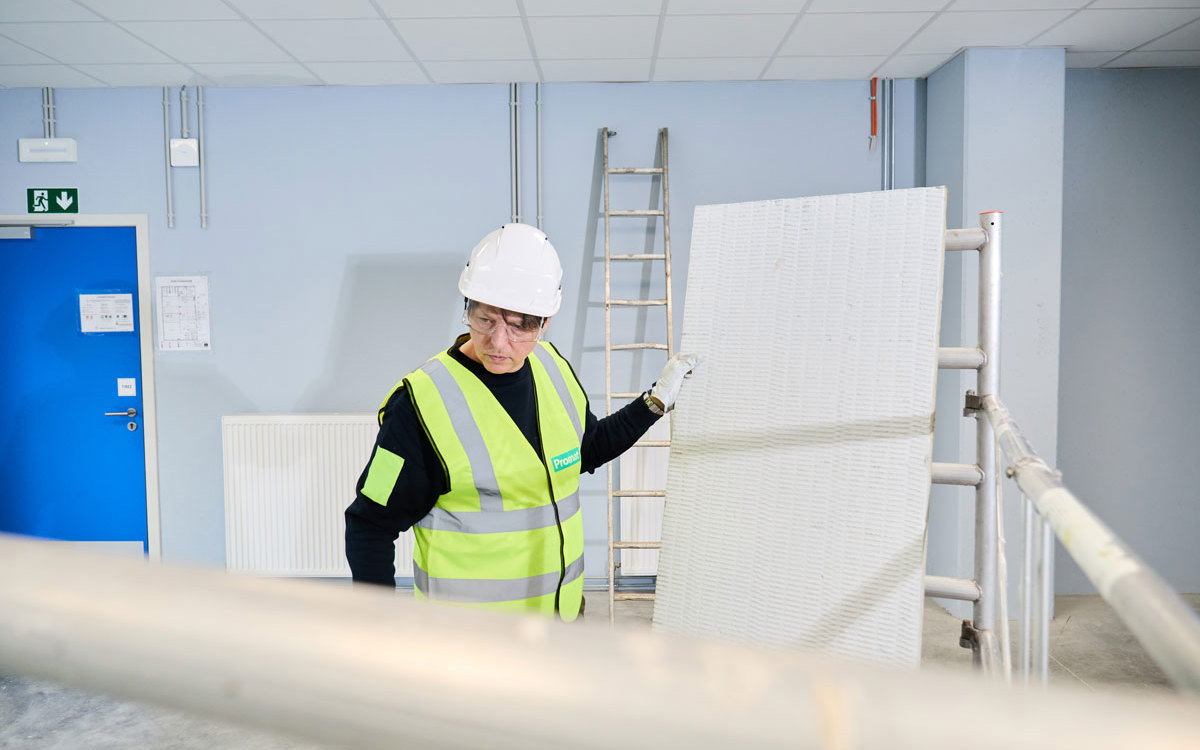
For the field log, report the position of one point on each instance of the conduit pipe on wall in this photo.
(514, 147)
(538, 89)
(200, 150)
(166, 102)
(48, 112)
(183, 113)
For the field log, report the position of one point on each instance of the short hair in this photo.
(528, 322)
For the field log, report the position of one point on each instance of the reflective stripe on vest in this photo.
(486, 591)
(493, 538)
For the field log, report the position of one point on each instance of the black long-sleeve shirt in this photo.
(371, 528)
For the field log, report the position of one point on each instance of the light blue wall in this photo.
(1002, 148)
(1131, 313)
(339, 218)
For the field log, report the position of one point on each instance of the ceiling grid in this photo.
(98, 43)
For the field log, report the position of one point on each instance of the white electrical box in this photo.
(185, 152)
(47, 149)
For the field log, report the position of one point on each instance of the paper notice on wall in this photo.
(106, 313)
(182, 313)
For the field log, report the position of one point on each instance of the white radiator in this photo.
(288, 479)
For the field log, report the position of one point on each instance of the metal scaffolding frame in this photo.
(982, 589)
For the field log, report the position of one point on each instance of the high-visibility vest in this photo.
(508, 534)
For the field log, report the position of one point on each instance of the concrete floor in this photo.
(1088, 645)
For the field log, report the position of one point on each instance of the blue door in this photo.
(73, 461)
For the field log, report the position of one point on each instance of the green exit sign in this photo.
(52, 200)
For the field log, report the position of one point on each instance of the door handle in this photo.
(131, 412)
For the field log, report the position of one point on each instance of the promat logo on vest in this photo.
(570, 458)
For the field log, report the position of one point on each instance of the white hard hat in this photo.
(514, 268)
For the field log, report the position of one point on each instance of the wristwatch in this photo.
(653, 404)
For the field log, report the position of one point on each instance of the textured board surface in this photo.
(798, 483)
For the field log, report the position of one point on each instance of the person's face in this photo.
(501, 340)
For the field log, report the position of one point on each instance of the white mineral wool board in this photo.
(798, 481)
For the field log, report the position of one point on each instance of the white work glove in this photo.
(666, 389)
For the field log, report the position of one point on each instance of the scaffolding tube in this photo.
(1161, 621)
(367, 668)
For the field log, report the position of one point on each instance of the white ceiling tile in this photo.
(722, 36)
(685, 7)
(843, 34)
(576, 38)
(208, 41)
(169, 74)
(961, 5)
(82, 42)
(1097, 30)
(1145, 4)
(256, 74)
(260, 9)
(1186, 38)
(37, 76)
(162, 10)
(593, 8)
(874, 6)
(44, 10)
(709, 69)
(465, 38)
(822, 68)
(12, 53)
(482, 71)
(596, 70)
(368, 73)
(1159, 59)
(1012, 28)
(1089, 59)
(336, 40)
(449, 8)
(912, 66)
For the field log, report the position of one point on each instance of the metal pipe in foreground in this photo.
(370, 669)
(1162, 622)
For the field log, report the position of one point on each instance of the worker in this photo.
(481, 448)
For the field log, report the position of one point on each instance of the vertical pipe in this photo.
(608, 467)
(1047, 587)
(891, 129)
(985, 439)
(200, 147)
(183, 113)
(538, 90)
(883, 136)
(166, 102)
(1027, 518)
(47, 112)
(514, 148)
(1038, 609)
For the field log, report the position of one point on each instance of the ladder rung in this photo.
(639, 493)
(638, 256)
(635, 170)
(623, 394)
(967, 475)
(637, 212)
(631, 595)
(643, 345)
(652, 444)
(637, 545)
(637, 302)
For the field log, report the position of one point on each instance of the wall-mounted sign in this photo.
(106, 313)
(52, 200)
